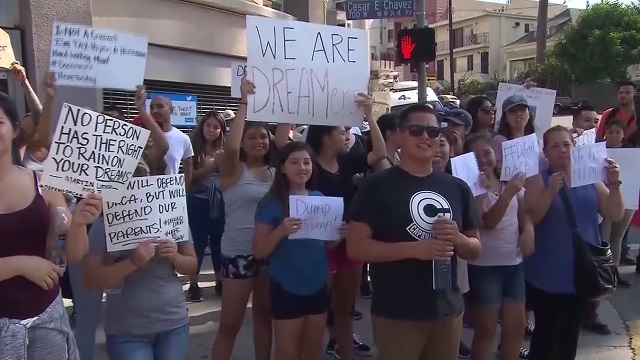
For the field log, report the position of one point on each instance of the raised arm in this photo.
(19, 73)
(42, 135)
(230, 162)
(378, 146)
(281, 137)
(160, 143)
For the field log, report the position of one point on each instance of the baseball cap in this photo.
(458, 117)
(513, 100)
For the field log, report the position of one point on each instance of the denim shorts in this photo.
(288, 306)
(490, 285)
(170, 344)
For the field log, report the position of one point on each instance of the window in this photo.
(440, 70)
(455, 65)
(527, 28)
(484, 62)
(458, 36)
(390, 38)
(470, 62)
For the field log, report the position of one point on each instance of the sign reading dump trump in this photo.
(91, 152)
(305, 73)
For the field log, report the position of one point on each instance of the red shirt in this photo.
(620, 115)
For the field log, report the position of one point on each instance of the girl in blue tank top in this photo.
(549, 271)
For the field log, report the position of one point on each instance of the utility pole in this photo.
(421, 66)
(452, 68)
(541, 31)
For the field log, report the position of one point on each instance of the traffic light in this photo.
(416, 45)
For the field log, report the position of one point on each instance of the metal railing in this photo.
(469, 40)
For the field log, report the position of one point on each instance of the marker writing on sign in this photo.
(321, 218)
(516, 157)
(149, 209)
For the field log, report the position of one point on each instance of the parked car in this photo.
(566, 105)
(449, 101)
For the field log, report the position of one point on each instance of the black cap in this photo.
(458, 117)
(513, 100)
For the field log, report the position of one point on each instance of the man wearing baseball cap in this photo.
(458, 122)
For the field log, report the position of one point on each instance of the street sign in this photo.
(379, 9)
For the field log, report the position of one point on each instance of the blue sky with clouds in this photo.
(581, 4)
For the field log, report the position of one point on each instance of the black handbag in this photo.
(595, 274)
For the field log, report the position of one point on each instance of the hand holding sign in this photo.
(167, 249)
(143, 253)
(87, 210)
(613, 172)
(141, 99)
(364, 102)
(515, 185)
(290, 226)
(246, 88)
(17, 71)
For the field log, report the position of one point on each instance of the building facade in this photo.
(191, 42)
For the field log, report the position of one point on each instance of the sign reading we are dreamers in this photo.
(91, 152)
(305, 73)
(152, 207)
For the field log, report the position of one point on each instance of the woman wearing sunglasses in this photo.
(386, 229)
(483, 114)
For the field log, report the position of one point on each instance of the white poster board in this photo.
(321, 216)
(520, 155)
(541, 102)
(465, 167)
(92, 152)
(85, 56)
(587, 138)
(238, 69)
(588, 164)
(153, 207)
(305, 73)
(6, 51)
(627, 159)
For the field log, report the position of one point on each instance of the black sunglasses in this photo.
(417, 131)
(488, 111)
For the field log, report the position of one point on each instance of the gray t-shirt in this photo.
(151, 299)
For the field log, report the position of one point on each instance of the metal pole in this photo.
(421, 66)
(541, 31)
(452, 68)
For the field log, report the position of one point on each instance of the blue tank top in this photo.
(550, 268)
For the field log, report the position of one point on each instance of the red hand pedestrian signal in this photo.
(406, 47)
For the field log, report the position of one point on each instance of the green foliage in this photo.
(472, 86)
(602, 43)
(551, 75)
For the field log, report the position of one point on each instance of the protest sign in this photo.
(541, 102)
(465, 167)
(6, 51)
(520, 155)
(305, 73)
(92, 57)
(92, 152)
(238, 69)
(627, 159)
(587, 138)
(184, 112)
(588, 164)
(152, 207)
(321, 216)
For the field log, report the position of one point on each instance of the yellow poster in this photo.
(6, 51)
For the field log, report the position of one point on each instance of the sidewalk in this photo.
(204, 319)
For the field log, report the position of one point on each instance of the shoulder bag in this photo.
(595, 274)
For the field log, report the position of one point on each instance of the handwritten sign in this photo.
(6, 51)
(92, 57)
(627, 159)
(305, 73)
(465, 167)
(92, 152)
(185, 110)
(520, 155)
(588, 164)
(587, 138)
(153, 207)
(238, 69)
(541, 102)
(321, 216)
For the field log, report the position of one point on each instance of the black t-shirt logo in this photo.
(425, 207)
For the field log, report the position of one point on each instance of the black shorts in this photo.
(288, 306)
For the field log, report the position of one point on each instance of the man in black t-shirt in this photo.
(401, 220)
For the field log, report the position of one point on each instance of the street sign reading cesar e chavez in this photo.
(379, 9)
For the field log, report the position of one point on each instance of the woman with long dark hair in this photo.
(204, 202)
(483, 113)
(30, 221)
(245, 177)
(298, 268)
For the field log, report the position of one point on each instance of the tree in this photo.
(602, 43)
(551, 75)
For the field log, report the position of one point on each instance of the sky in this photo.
(575, 4)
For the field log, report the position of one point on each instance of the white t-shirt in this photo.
(179, 149)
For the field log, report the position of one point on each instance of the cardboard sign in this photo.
(92, 152)
(152, 207)
(93, 57)
(321, 216)
(306, 73)
(6, 51)
(541, 102)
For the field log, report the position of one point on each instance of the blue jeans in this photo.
(205, 231)
(166, 345)
(87, 304)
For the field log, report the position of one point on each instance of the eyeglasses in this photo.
(418, 130)
(488, 111)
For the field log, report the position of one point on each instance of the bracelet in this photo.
(615, 185)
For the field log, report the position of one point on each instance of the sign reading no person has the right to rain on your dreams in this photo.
(379, 9)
